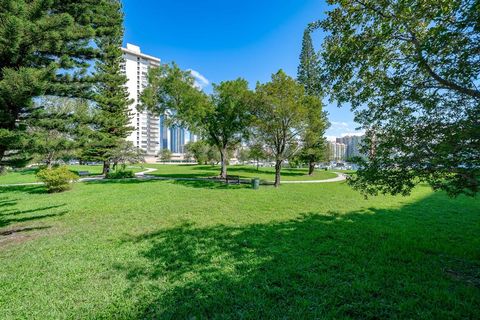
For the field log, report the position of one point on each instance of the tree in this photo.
(309, 67)
(112, 98)
(53, 128)
(125, 152)
(257, 153)
(165, 155)
(411, 71)
(198, 150)
(280, 117)
(46, 47)
(312, 139)
(223, 118)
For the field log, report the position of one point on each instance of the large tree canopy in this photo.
(281, 113)
(410, 69)
(222, 119)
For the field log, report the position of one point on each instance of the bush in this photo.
(57, 179)
(120, 174)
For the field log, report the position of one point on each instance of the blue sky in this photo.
(226, 39)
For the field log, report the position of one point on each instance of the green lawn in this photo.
(202, 250)
(246, 172)
(28, 175)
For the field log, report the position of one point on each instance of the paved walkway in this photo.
(144, 175)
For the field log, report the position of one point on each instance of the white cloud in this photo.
(342, 129)
(355, 133)
(200, 81)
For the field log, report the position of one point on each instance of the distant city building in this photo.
(150, 132)
(353, 144)
(337, 151)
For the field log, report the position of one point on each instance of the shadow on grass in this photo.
(235, 170)
(364, 264)
(10, 214)
(20, 230)
(30, 189)
(198, 184)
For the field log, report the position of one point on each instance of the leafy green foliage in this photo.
(410, 70)
(54, 128)
(198, 150)
(223, 119)
(280, 117)
(126, 153)
(57, 179)
(120, 174)
(165, 155)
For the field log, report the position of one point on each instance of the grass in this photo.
(28, 175)
(178, 250)
(245, 172)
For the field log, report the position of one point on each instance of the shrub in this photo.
(120, 174)
(57, 179)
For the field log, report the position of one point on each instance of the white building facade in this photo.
(150, 132)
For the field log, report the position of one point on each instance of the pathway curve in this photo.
(144, 175)
(340, 177)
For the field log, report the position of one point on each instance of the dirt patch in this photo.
(19, 235)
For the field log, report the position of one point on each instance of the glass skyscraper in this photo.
(174, 138)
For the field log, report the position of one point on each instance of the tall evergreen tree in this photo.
(38, 38)
(313, 141)
(309, 68)
(112, 114)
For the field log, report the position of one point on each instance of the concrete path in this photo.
(144, 175)
(340, 177)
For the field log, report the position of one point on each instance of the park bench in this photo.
(83, 173)
(233, 179)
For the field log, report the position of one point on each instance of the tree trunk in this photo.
(258, 164)
(106, 167)
(2, 154)
(311, 167)
(278, 167)
(223, 163)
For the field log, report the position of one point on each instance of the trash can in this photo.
(255, 183)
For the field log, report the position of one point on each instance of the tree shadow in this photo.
(365, 264)
(218, 185)
(197, 184)
(30, 189)
(239, 170)
(10, 216)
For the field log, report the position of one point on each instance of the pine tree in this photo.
(313, 141)
(309, 68)
(45, 49)
(112, 114)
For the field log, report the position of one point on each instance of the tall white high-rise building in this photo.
(146, 134)
(150, 133)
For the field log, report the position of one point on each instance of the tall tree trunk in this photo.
(278, 167)
(311, 167)
(258, 164)
(106, 167)
(223, 163)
